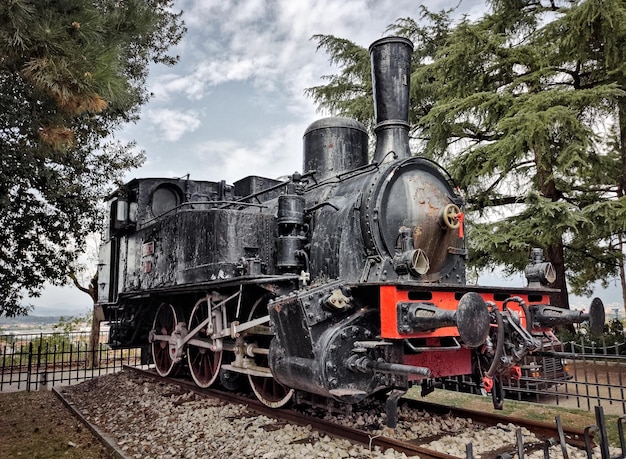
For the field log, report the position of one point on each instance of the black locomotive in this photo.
(344, 281)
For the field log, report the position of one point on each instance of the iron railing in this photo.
(38, 361)
(575, 375)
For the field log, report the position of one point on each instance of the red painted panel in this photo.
(388, 316)
(391, 295)
(443, 363)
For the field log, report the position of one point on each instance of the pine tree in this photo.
(71, 73)
(513, 104)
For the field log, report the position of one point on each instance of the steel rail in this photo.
(105, 439)
(575, 437)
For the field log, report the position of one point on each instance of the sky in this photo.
(235, 104)
(237, 95)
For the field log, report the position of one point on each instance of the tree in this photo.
(85, 278)
(590, 39)
(511, 103)
(72, 72)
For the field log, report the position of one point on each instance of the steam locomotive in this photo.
(345, 281)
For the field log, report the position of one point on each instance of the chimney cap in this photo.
(335, 122)
(385, 40)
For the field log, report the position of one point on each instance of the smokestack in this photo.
(391, 73)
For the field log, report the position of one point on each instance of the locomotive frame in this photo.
(344, 281)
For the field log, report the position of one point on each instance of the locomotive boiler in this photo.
(343, 281)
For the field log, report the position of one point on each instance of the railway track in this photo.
(295, 417)
(546, 433)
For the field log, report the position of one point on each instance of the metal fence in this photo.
(594, 376)
(40, 361)
(577, 375)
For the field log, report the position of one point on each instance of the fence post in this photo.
(4, 364)
(43, 381)
(29, 367)
(39, 349)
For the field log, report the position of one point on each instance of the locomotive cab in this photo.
(131, 208)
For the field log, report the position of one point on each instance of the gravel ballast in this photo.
(149, 418)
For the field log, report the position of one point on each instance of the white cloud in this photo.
(173, 124)
(234, 68)
(68, 300)
(268, 42)
(262, 50)
(164, 87)
(271, 156)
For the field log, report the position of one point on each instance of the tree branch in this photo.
(92, 290)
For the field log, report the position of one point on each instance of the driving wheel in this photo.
(202, 356)
(269, 391)
(163, 345)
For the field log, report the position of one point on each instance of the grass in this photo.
(37, 425)
(540, 412)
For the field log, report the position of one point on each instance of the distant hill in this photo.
(30, 320)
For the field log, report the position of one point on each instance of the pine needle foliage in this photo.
(72, 72)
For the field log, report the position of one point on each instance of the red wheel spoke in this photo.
(267, 389)
(204, 364)
(165, 322)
